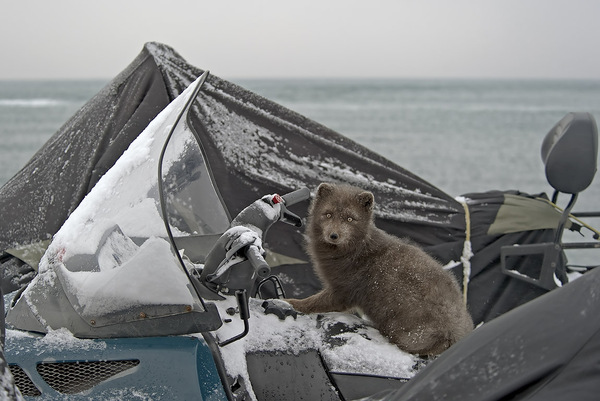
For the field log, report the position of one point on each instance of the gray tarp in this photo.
(253, 146)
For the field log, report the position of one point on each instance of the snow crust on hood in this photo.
(360, 349)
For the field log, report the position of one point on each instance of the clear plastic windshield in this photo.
(112, 257)
(193, 206)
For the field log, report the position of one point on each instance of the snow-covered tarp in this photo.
(252, 146)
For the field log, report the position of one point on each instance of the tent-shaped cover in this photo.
(253, 147)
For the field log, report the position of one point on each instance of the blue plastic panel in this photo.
(169, 368)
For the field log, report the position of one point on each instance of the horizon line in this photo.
(326, 78)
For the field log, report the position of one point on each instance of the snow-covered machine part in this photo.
(110, 270)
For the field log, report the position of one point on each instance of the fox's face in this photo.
(339, 226)
(341, 215)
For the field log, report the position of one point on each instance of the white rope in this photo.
(467, 253)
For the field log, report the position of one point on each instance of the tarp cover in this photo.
(255, 147)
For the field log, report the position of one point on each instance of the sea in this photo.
(461, 135)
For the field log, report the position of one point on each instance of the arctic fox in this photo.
(406, 294)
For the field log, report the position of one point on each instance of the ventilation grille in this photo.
(75, 377)
(23, 382)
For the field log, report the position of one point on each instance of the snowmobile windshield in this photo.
(189, 199)
(112, 258)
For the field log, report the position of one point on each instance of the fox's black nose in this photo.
(334, 236)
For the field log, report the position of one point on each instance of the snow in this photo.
(360, 349)
(135, 283)
(54, 341)
(117, 197)
(62, 339)
(238, 237)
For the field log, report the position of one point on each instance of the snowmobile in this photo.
(127, 302)
(149, 289)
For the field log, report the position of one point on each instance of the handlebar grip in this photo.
(296, 196)
(261, 267)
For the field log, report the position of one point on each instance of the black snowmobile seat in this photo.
(570, 153)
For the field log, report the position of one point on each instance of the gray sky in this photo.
(306, 38)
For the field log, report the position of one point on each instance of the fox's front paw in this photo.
(292, 301)
(298, 304)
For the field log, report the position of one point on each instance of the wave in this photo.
(41, 102)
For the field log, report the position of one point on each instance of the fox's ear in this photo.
(366, 200)
(324, 190)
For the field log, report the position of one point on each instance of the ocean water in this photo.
(31, 112)
(460, 135)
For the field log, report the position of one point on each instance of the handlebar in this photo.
(236, 260)
(261, 267)
(296, 196)
(287, 200)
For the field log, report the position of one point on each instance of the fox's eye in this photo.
(328, 215)
(350, 219)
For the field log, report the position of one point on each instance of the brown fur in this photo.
(407, 295)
